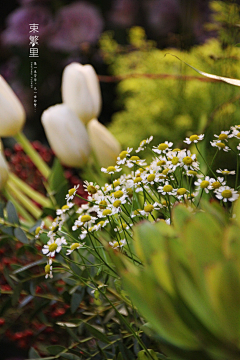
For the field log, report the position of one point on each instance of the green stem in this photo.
(205, 162)
(26, 202)
(33, 154)
(237, 172)
(20, 209)
(26, 189)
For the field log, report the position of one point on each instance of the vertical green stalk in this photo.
(33, 154)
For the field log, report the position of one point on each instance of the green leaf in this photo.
(70, 356)
(55, 349)
(33, 354)
(12, 213)
(76, 299)
(20, 235)
(47, 212)
(96, 333)
(28, 266)
(7, 277)
(2, 206)
(16, 294)
(61, 194)
(56, 177)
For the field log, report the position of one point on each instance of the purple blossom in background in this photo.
(76, 24)
(162, 15)
(17, 31)
(123, 12)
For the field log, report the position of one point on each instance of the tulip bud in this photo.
(81, 91)
(104, 144)
(4, 171)
(66, 135)
(12, 114)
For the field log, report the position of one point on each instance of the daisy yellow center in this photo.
(136, 212)
(149, 208)
(161, 162)
(65, 207)
(204, 184)
(55, 228)
(192, 172)
(74, 246)
(221, 145)
(111, 168)
(134, 158)
(102, 204)
(115, 244)
(85, 218)
(151, 177)
(181, 191)
(177, 149)
(124, 226)
(187, 160)
(47, 269)
(107, 212)
(167, 188)
(71, 191)
(37, 230)
(117, 203)
(143, 142)
(193, 137)
(164, 203)
(175, 160)
(141, 170)
(225, 172)
(116, 183)
(101, 223)
(162, 146)
(222, 136)
(226, 194)
(91, 189)
(52, 247)
(118, 194)
(137, 179)
(216, 184)
(130, 191)
(123, 154)
(238, 135)
(165, 171)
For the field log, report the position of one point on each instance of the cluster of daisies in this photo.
(141, 191)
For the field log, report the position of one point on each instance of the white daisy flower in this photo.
(148, 208)
(71, 193)
(143, 144)
(225, 193)
(39, 230)
(111, 169)
(90, 187)
(64, 208)
(122, 157)
(203, 184)
(73, 247)
(163, 147)
(224, 135)
(117, 244)
(48, 269)
(225, 172)
(135, 160)
(194, 139)
(167, 189)
(53, 246)
(220, 145)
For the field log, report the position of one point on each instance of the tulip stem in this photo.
(23, 199)
(26, 189)
(33, 154)
(20, 209)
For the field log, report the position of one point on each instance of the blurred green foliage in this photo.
(173, 107)
(189, 287)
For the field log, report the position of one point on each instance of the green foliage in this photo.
(189, 288)
(171, 106)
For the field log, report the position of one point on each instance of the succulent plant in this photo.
(189, 286)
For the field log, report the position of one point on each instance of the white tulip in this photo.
(4, 171)
(104, 144)
(81, 91)
(12, 114)
(66, 135)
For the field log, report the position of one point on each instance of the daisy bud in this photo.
(81, 91)
(12, 114)
(66, 135)
(104, 144)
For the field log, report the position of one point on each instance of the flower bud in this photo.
(4, 171)
(104, 144)
(66, 135)
(12, 114)
(81, 91)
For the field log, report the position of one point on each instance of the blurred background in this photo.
(204, 32)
